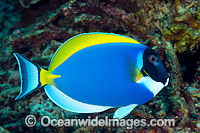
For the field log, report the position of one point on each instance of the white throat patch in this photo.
(152, 85)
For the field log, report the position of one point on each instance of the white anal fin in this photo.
(123, 111)
(67, 103)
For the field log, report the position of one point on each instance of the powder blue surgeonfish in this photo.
(93, 72)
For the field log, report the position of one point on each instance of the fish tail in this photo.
(32, 76)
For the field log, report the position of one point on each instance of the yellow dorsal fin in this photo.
(46, 77)
(81, 41)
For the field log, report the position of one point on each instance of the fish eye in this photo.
(152, 58)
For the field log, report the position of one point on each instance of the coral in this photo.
(183, 37)
(2, 130)
(9, 16)
(27, 3)
(22, 40)
(187, 33)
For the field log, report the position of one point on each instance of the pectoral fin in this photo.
(134, 72)
(123, 111)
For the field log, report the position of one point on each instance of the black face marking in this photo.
(153, 66)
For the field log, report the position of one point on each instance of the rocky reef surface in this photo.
(36, 28)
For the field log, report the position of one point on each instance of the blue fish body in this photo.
(97, 71)
(99, 75)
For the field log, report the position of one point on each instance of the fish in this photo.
(97, 71)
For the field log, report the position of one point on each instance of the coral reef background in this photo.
(36, 28)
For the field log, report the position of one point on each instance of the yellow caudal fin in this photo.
(32, 76)
(46, 77)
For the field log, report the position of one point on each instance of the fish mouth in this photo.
(167, 81)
